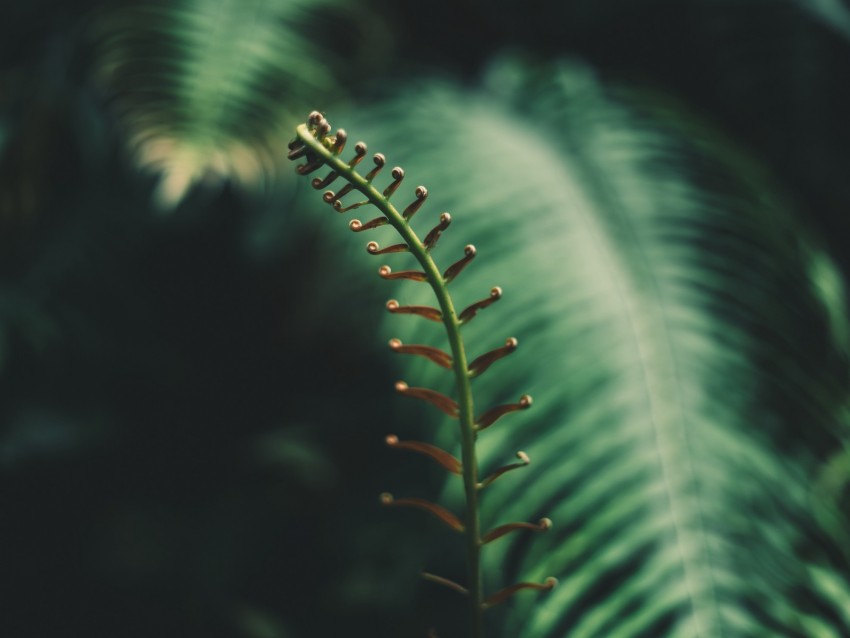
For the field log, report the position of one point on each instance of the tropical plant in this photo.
(659, 188)
(320, 149)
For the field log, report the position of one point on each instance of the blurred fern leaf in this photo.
(684, 337)
(210, 89)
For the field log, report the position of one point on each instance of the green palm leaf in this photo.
(683, 337)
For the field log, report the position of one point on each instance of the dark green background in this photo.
(193, 397)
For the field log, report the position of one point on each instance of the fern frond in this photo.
(209, 90)
(318, 148)
(688, 372)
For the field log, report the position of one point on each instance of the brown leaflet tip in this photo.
(482, 364)
(398, 172)
(524, 461)
(472, 310)
(543, 525)
(355, 225)
(437, 399)
(391, 440)
(504, 594)
(456, 268)
(436, 510)
(360, 148)
(314, 118)
(392, 304)
(421, 192)
(525, 401)
(443, 458)
(309, 167)
(328, 196)
(439, 580)
(324, 182)
(339, 141)
(386, 498)
(372, 247)
(297, 151)
(384, 271)
(379, 159)
(395, 344)
(436, 232)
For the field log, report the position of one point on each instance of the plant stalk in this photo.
(460, 365)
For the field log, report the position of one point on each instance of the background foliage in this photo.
(194, 388)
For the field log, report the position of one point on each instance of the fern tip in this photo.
(438, 511)
(373, 248)
(437, 399)
(446, 460)
(421, 194)
(357, 226)
(543, 525)
(309, 167)
(524, 461)
(482, 363)
(493, 414)
(470, 311)
(435, 233)
(436, 355)
(423, 311)
(413, 275)
(398, 176)
(319, 126)
(339, 141)
(380, 162)
(455, 269)
(296, 151)
(324, 183)
(446, 583)
(502, 595)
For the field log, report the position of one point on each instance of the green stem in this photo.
(461, 373)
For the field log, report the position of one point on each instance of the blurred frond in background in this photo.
(211, 89)
(193, 404)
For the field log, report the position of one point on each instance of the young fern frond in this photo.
(319, 148)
